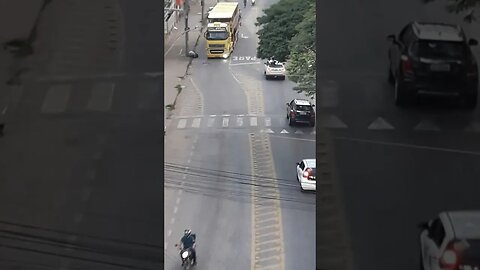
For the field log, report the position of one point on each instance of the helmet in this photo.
(187, 232)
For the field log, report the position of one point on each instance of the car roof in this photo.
(465, 224)
(311, 163)
(438, 31)
(301, 102)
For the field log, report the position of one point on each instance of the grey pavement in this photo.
(214, 155)
(175, 61)
(80, 182)
(394, 167)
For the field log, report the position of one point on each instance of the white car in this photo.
(306, 174)
(275, 70)
(451, 241)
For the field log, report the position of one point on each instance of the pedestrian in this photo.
(244, 3)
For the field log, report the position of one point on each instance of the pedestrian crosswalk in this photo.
(95, 97)
(277, 124)
(267, 124)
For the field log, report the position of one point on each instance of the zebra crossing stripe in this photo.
(239, 121)
(182, 123)
(211, 121)
(225, 122)
(56, 99)
(101, 98)
(253, 121)
(268, 121)
(196, 122)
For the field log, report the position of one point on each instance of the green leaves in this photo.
(287, 31)
(460, 6)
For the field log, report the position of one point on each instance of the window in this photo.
(440, 49)
(303, 108)
(302, 165)
(437, 232)
(217, 35)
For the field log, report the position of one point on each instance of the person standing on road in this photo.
(244, 3)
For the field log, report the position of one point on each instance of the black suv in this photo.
(300, 111)
(433, 59)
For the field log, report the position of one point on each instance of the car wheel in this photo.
(400, 95)
(290, 122)
(391, 79)
(471, 101)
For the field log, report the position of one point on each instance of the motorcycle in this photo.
(187, 260)
(253, 2)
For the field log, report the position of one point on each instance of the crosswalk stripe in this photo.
(101, 99)
(182, 123)
(253, 121)
(148, 90)
(56, 99)
(239, 121)
(268, 121)
(196, 122)
(210, 122)
(225, 122)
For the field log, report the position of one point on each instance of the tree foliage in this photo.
(287, 31)
(278, 26)
(459, 6)
(301, 65)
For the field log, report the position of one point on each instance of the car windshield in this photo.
(303, 108)
(439, 49)
(276, 65)
(313, 171)
(217, 35)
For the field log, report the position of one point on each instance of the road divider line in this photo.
(262, 165)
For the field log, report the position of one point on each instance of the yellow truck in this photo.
(222, 29)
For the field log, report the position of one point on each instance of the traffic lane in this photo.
(216, 202)
(396, 188)
(222, 94)
(144, 45)
(125, 194)
(44, 162)
(298, 208)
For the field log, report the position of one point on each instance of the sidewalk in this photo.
(17, 19)
(176, 64)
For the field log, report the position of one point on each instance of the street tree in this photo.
(461, 6)
(278, 26)
(302, 58)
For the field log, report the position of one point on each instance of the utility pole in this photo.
(203, 10)
(186, 7)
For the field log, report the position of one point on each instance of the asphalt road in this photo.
(80, 170)
(396, 167)
(216, 201)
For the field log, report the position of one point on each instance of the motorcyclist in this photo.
(188, 242)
